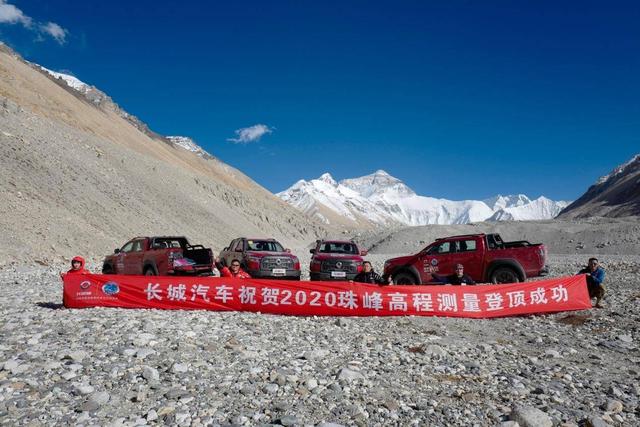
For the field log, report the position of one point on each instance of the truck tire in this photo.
(150, 271)
(107, 269)
(504, 275)
(404, 278)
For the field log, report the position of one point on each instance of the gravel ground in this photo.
(136, 367)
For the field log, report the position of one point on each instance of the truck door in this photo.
(133, 258)
(121, 258)
(469, 255)
(439, 257)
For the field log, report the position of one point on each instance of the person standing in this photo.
(595, 277)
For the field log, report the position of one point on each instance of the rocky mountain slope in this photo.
(614, 195)
(81, 177)
(381, 199)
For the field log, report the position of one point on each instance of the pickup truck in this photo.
(335, 260)
(262, 258)
(164, 255)
(486, 258)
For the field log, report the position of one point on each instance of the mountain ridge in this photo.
(381, 199)
(614, 195)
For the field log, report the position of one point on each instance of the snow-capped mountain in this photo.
(380, 198)
(540, 208)
(71, 81)
(188, 144)
(616, 194)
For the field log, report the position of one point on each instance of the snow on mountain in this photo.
(614, 195)
(540, 208)
(617, 171)
(71, 81)
(188, 144)
(502, 202)
(380, 198)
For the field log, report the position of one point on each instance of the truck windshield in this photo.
(264, 245)
(338, 248)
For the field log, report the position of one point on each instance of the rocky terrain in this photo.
(192, 368)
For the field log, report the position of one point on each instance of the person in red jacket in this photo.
(77, 266)
(235, 271)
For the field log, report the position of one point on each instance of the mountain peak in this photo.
(326, 177)
(378, 183)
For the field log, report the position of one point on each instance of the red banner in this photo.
(324, 298)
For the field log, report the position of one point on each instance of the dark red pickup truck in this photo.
(486, 258)
(159, 256)
(262, 258)
(335, 260)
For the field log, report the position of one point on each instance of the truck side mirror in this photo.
(238, 250)
(288, 250)
(312, 251)
(364, 253)
(116, 251)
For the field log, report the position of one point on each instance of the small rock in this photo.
(76, 356)
(150, 374)
(341, 322)
(318, 354)
(528, 416)
(311, 383)
(10, 365)
(144, 352)
(84, 389)
(552, 354)
(625, 338)
(289, 420)
(594, 421)
(613, 406)
(271, 388)
(95, 401)
(179, 368)
(349, 375)
(152, 415)
(435, 350)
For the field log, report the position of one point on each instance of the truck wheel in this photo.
(107, 269)
(149, 271)
(404, 278)
(504, 275)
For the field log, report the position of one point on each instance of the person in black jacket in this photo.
(457, 278)
(367, 275)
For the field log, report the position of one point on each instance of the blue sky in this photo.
(459, 99)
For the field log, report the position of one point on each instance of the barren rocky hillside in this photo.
(78, 179)
(614, 195)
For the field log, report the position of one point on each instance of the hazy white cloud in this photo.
(250, 134)
(55, 31)
(10, 14)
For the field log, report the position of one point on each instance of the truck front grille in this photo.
(271, 262)
(339, 265)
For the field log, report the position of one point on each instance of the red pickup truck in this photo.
(153, 256)
(335, 260)
(262, 258)
(486, 258)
